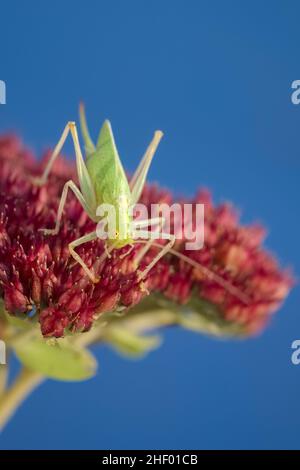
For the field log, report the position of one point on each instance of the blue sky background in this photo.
(216, 77)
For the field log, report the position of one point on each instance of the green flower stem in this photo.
(149, 320)
(3, 378)
(24, 384)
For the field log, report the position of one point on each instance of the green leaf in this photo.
(131, 344)
(61, 360)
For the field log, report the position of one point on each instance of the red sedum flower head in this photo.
(38, 277)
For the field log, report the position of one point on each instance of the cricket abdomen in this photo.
(123, 221)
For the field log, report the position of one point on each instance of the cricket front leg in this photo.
(138, 233)
(41, 180)
(69, 185)
(163, 250)
(80, 241)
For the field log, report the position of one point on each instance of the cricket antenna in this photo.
(88, 143)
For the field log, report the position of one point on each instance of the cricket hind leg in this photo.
(68, 185)
(80, 241)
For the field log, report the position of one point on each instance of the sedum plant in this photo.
(51, 312)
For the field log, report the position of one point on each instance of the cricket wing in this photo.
(106, 170)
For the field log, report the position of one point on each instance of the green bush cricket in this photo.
(102, 180)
